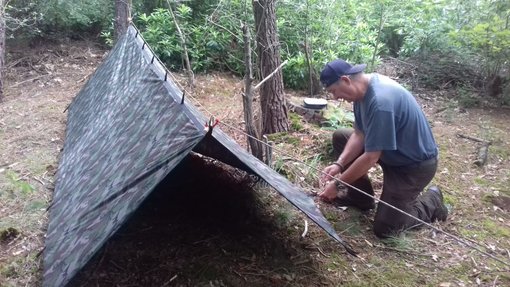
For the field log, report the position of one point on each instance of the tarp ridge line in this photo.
(159, 67)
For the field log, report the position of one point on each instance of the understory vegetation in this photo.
(459, 44)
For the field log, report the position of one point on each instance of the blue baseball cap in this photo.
(337, 68)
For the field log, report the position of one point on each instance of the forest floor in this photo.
(213, 234)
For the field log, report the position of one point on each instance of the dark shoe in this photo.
(441, 212)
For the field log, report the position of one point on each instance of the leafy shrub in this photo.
(327, 30)
(22, 19)
(338, 118)
(208, 48)
(75, 17)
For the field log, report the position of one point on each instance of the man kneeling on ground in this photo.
(389, 129)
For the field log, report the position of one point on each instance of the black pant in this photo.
(402, 188)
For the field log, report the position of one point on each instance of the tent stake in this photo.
(269, 151)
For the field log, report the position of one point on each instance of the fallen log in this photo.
(483, 150)
(482, 155)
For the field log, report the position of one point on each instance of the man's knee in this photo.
(340, 138)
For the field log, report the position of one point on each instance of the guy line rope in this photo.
(466, 242)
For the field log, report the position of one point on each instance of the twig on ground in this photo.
(25, 81)
(38, 180)
(13, 64)
(306, 229)
(474, 262)
(170, 281)
(495, 280)
(474, 139)
(240, 275)
(322, 252)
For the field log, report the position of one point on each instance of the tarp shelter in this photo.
(127, 129)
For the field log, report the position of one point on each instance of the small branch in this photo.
(191, 77)
(226, 30)
(29, 80)
(306, 229)
(170, 281)
(402, 62)
(474, 139)
(482, 151)
(270, 75)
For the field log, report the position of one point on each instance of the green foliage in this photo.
(75, 17)
(338, 118)
(401, 242)
(295, 122)
(490, 40)
(22, 18)
(311, 32)
(208, 46)
(327, 30)
(467, 98)
(18, 185)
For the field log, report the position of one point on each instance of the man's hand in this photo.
(329, 172)
(329, 192)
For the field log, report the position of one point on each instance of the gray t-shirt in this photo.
(393, 122)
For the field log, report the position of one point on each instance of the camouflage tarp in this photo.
(126, 130)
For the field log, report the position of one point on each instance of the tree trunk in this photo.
(189, 71)
(251, 129)
(272, 100)
(2, 48)
(122, 17)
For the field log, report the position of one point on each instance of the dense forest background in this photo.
(459, 44)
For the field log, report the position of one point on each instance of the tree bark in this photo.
(272, 100)
(2, 48)
(122, 17)
(251, 130)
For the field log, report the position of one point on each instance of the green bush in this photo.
(208, 47)
(75, 17)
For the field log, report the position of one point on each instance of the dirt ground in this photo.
(224, 231)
